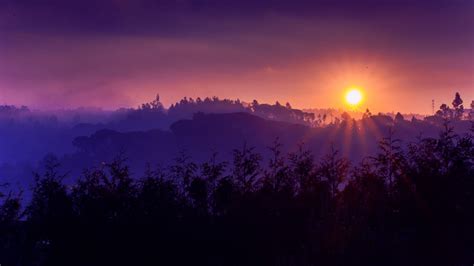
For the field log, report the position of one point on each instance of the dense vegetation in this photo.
(406, 205)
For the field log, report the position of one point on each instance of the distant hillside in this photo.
(204, 134)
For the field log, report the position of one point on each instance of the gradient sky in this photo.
(114, 53)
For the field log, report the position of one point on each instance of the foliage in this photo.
(406, 205)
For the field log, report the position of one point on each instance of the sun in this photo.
(354, 97)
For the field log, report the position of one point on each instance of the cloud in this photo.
(116, 53)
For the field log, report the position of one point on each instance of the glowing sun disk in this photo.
(353, 97)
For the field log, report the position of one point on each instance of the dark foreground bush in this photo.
(411, 205)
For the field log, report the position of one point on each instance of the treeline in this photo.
(187, 107)
(406, 205)
(153, 114)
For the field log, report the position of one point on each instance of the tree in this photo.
(157, 196)
(184, 170)
(367, 114)
(50, 202)
(199, 193)
(346, 117)
(444, 111)
(399, 117)
(10, 208)
(11, 239)
(154, 105)
(277, 177)
(458, 107)
(334, 169)
(471, 113)
(302, 168)
(390, 161)
(212, 170)
(246, 167)
(445, 146)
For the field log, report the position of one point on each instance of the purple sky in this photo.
(114, 53)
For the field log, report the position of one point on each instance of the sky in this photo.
(119, 53)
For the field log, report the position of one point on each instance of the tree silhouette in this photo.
(399, 117)
(367, 114)
(404, 205)
(444, 112)
(184, 170)
(246, 167)
(334, 169)
(457, 106)
(277, 177)
(390, 161)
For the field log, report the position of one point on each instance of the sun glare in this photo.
(353, 97)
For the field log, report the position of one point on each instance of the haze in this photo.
(110, 54)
